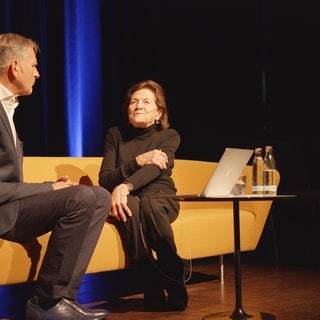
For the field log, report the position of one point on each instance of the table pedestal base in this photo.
(250, 315)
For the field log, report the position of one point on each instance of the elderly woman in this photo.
(137, 165)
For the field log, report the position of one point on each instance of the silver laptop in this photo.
(225, 175)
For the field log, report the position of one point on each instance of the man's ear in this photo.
(13, 69)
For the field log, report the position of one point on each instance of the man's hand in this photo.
(63, 182)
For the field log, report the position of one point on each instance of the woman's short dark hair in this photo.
(158, 91)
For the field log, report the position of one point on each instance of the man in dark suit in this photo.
(74, 213)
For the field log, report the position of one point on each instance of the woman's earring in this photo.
(156, 121)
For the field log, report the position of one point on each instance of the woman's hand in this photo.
(156, 157)
(119, 208)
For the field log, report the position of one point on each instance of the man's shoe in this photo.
(65, 309)
(95, 313)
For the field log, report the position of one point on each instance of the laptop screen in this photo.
(225, 175)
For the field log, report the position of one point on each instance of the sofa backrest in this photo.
(79, 169)
(189, 175)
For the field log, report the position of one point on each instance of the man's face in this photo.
(25, 72)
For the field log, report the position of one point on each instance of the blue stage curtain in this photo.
(69, 122)
(83, 88)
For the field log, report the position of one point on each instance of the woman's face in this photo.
(143, 111)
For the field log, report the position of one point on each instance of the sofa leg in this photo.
(221, 275)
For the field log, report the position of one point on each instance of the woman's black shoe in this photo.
(155, 300)
(177, 297)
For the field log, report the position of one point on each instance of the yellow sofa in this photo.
(203, 229)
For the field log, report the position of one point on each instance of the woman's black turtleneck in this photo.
(123, 144)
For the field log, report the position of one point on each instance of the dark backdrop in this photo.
(236, 73)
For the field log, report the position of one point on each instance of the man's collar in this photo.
(7, 96)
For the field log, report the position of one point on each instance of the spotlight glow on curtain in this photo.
(83, 76)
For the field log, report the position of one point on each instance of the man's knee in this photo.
(92, 199)
(101, 192)
(103, 197)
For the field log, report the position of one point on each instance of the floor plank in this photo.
(288, 293)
